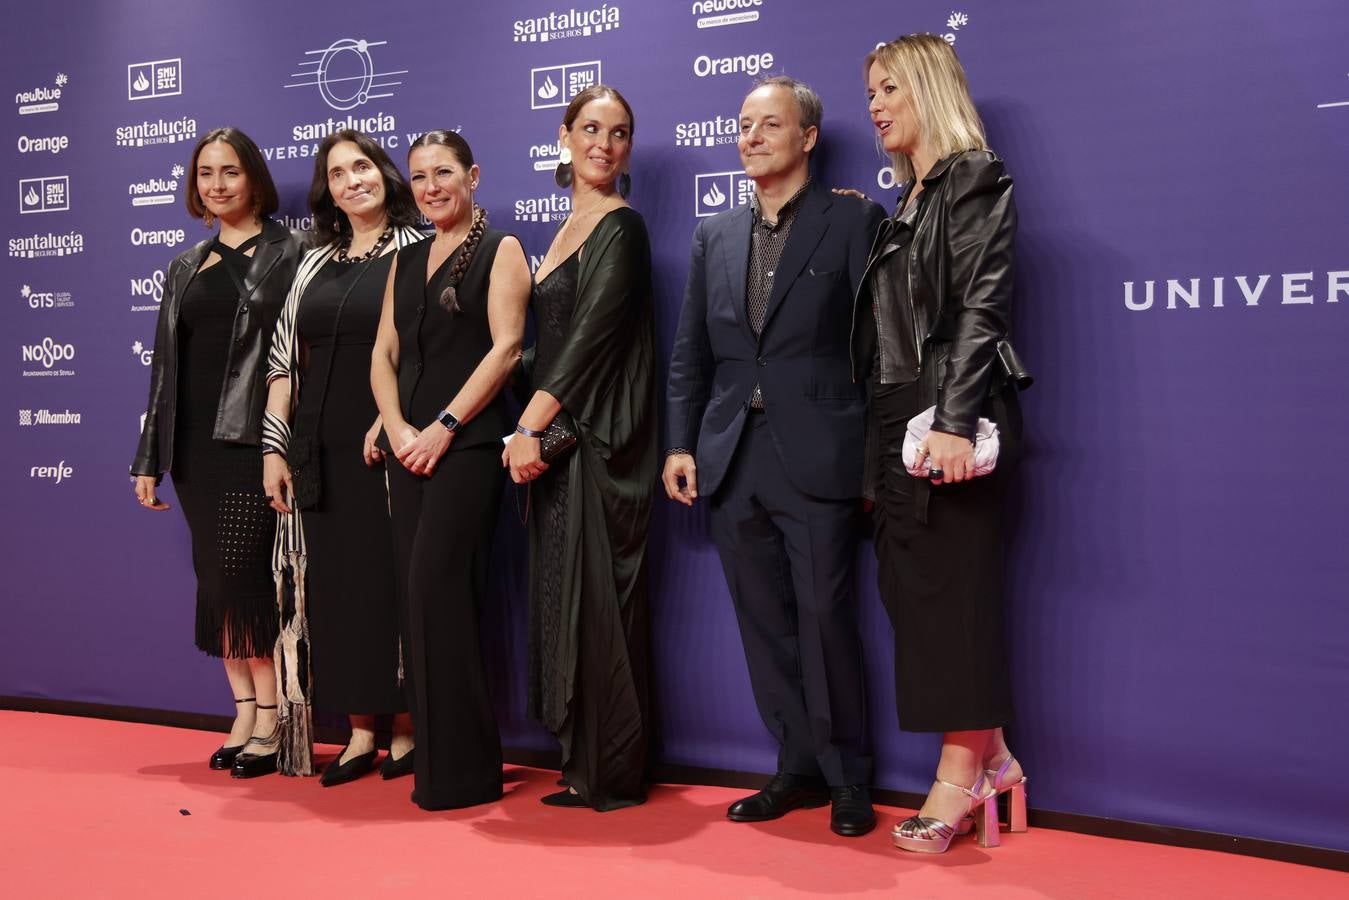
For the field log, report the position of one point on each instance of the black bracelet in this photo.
(528, 432)
(677, 451)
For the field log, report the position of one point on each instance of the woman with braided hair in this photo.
(449, 337)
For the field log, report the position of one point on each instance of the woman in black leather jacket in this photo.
(203, 423)
(930, 317)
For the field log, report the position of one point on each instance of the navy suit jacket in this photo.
(800, 359)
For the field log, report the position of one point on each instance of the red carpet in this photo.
(92, 808)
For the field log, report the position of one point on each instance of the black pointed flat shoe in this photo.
(224, 757)
(564, 799)
(339, 772)
(396, 768)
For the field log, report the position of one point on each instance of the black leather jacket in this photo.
(960, 287)
(244, 393)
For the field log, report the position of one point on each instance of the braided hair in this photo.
(455, 143)
(449, 298)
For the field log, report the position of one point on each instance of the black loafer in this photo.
(784, 793)
(396, 768)
(564, 799)
(251, 765)
(851, 815)
(339, 772)
(223, 758)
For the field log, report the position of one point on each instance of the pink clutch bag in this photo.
(985, 444)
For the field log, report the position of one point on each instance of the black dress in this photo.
(588, 530)
(219, 484)
(352, 609)
(443, 526)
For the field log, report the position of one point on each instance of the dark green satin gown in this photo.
(588, 528)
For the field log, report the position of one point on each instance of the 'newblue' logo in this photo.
(42, 99)
(345, 74)
(716, 13)
(40, 195)
(717, 192)
(556, 85)
(159, 78)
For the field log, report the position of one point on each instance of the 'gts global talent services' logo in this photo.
(156, 191)
(154, 79)
(553, 86)
(41, 99)
(716, 13)
(573, 23)
(43, 195)
(46, 299)
(716, 192)
(143, 354)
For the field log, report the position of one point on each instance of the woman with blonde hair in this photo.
(930, 328)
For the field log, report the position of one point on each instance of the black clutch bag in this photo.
(558, 438)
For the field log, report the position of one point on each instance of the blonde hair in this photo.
(926, 66)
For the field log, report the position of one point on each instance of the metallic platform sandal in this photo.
(1016, 803)
(926, 835)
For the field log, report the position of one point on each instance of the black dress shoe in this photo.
(339, 772)
(784, 793)
(851, 815)
(564, 798)
(396, 768)
(223, 758)
(251, 765)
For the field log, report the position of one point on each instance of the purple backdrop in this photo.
(1178, 624)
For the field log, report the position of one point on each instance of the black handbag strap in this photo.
(337, 324)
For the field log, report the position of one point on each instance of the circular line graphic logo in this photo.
(345, 91)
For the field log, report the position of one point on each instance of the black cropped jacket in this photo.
(959, 286)
(243, 395)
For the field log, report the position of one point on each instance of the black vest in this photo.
(439, 348)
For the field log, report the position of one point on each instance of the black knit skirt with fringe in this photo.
(219, 486)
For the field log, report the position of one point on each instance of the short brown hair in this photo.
(260, 182)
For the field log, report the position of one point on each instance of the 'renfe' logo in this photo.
(553, 86)
(55, 474)
(716, 192)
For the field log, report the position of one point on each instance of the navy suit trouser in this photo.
(788, 559)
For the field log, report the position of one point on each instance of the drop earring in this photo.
(624, 185)
(562, 174)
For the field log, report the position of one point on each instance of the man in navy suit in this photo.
(765, 419)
